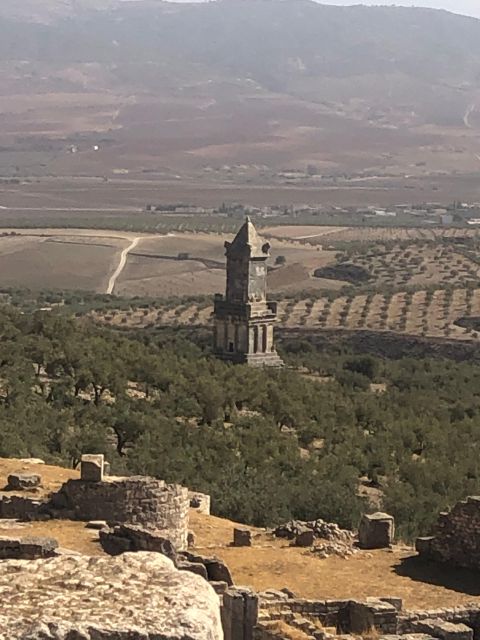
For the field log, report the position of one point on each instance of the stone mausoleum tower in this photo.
(244, 320)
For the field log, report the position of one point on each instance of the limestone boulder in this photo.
(135, 595)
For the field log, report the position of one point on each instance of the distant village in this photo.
(434, 213)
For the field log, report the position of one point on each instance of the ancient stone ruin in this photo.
(200, 502)
(456, 539)
(153, 587)
(280, 616)
(324, 538)
(137, 500)
(243, 319)
(30, 548)
(376, 531)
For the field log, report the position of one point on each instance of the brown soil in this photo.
(70, 535)
(272, 563)
(52, 477)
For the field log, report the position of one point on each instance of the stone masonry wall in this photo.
(468, 615)
(138, 500)
(19, 507)
(456, 538)
(384, 615)
(314, 617)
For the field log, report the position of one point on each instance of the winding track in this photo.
(121, 265)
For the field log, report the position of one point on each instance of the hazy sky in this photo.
(468, 7)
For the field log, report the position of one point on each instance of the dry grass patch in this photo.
(272, 563)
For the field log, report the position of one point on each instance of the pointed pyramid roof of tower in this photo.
(248, 239)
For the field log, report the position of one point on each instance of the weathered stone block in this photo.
(444, 630)
(23, 481)
(194, 567)
(218, 571)
(125, 537)
(239, 613)
(305, 538)
(242, 537)
(96, 524)
(376, 531)
(21, 508)
(91, 467)
(27, 548)
(423, 546)
(394, 601)
(201, 502)
(372, 614)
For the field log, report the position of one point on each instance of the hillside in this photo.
(263, 85)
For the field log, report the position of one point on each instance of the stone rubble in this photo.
(321, 529)
(324, 538)
(340, 549)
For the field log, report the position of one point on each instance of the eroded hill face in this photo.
(263, 87)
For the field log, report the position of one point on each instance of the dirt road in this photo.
(121, 264)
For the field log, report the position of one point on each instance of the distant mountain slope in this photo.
(304, 65)
(287, 45)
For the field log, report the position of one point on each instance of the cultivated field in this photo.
(58, 260)
(417, 264)
(426, 286)
(328, 235)
(158, 265)
(429, 313)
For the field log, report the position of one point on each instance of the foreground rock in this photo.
(135, 595)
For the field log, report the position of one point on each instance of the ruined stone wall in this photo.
(200, 501)
(469, 615)
(456, 538)
(323, 619)
(19, 507)
(138, 500)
